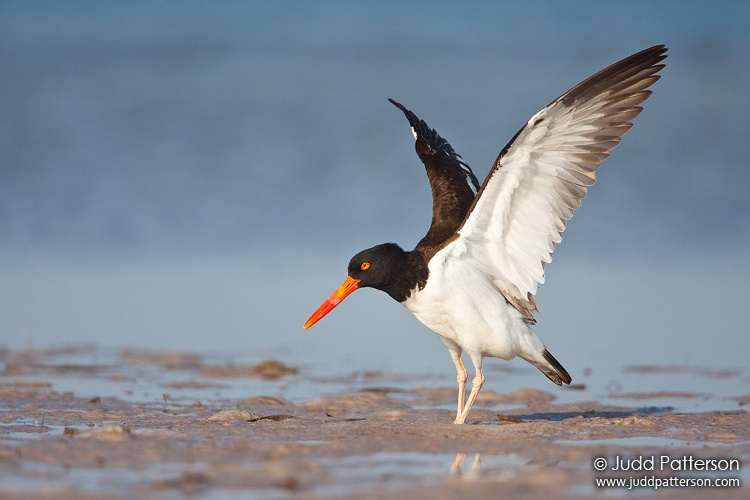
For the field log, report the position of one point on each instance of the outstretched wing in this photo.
(542, 175)
(453, 184)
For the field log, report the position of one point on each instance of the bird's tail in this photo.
(534, 351)
(553, 369)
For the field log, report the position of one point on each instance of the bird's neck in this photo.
(411, 273)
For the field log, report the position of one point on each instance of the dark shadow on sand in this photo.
(558, 416)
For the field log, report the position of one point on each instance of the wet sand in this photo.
(187, 431)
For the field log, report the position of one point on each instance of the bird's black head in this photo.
(385, 267)
(378, 267)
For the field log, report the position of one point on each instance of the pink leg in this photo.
(476, 384)
(461, 377)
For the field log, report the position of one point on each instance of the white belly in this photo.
(463, 305)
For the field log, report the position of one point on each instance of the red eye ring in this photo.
(365, 266)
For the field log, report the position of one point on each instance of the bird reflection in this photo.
(474, 471)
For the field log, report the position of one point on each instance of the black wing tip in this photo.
(420, 128)
(414, 121)
(646, 60)
(661, 48)
(436, 142)
(402, 108)
(655, 54)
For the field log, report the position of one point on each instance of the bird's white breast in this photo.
(462, 304)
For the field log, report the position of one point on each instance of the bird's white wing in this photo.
(540, 178)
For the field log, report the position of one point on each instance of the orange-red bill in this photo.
(344, 290)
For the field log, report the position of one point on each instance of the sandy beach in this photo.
(168, 424)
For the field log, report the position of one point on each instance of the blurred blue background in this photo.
(196, 175)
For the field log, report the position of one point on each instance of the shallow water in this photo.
(164, 378)
(334, 434)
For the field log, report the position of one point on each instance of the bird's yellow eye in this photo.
(365, 266)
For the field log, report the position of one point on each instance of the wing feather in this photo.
(541, 176)
(453, 184)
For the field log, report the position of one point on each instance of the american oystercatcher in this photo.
(473, 277)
